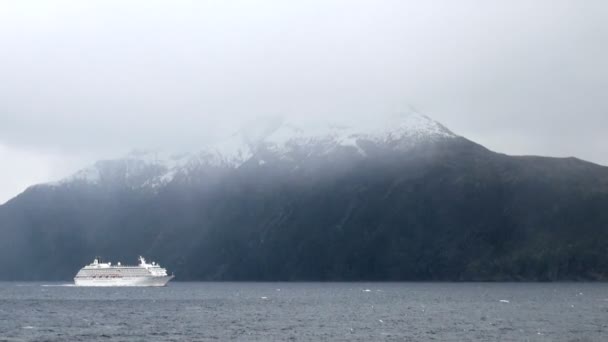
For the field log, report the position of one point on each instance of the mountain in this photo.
(398, 198)
(276, 140)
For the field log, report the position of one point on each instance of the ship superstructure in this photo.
(105, 274)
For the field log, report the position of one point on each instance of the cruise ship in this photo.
(99, 273)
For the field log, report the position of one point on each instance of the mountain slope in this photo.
(403, 200)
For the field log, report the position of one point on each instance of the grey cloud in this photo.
(103, 77)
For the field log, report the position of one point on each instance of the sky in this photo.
(88, 80)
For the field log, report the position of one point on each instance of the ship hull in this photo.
(124, 282)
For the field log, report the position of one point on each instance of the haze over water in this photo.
(306, 312)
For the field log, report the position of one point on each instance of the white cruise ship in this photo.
(106, 274)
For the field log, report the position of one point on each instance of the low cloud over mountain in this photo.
(401, 198)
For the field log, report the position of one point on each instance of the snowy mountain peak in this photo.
(406, 128)
(379, 128)
(152, 168)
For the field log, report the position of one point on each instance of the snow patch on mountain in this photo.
(279, 136)
(406, 128)
(89, 174)
(231, 152)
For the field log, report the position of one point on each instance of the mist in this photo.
(83, 81)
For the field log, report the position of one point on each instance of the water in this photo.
(306, 312)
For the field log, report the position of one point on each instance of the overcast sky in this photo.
(84, 80)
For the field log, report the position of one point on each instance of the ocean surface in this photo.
(306, 312)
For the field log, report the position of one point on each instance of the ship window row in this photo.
(116, 271)
(103, 275)
(111, 276)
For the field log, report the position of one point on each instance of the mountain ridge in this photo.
(280, 137)
(413, 208)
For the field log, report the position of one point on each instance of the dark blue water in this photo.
(305, 312)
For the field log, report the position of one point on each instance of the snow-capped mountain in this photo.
(278, 139)
(398, 198)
